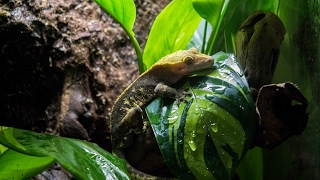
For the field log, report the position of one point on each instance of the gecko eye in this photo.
(188, 60)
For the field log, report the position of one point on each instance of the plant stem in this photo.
(138, 51)
(204, 37)
(139, 54)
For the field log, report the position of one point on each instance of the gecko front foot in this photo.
(166, 91)
(181, 96)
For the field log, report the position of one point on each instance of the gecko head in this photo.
(185, 62)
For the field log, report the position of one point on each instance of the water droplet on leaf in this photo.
(173, 119)
(192, 145)
(214, 127)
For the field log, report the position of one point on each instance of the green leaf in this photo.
(209, 10)
(299, 63)
(15, 165)
(8, 133)
(226, 16)
(209, 135)
(247, 7)
(124, 12)
(82, 159)
(218, 14)
(251, 166)
(201, 36)
(171, 31)
(3, 149)
(240, 13)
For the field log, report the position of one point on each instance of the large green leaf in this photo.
(171, 31)
(82, 159)
(15, 165)
(206, 137)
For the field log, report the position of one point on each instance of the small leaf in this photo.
(82, 159)
(123, 11)
(171, 31)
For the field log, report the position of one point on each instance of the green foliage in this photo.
(300, 63)
(180, 126)
(15, 165)
(82, 159)
(207, 136)
(124, 11)
(218, 14)
(251, 166)
(171, 31)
